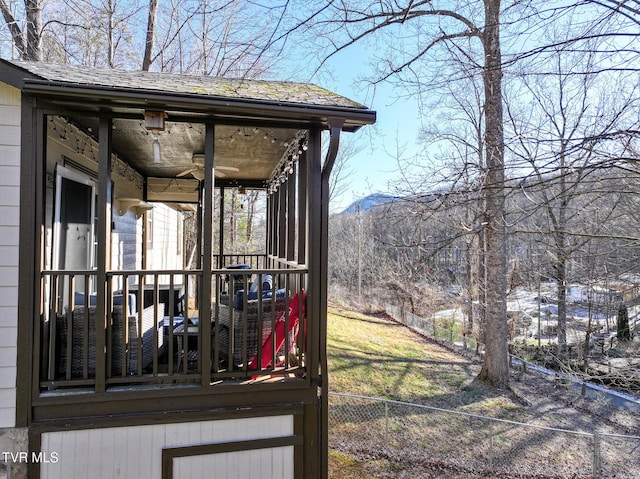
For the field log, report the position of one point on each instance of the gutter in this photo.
(335, 129)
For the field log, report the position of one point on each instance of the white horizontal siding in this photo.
(9, 241)
(165, 252)
(270, 463)
(135, 452)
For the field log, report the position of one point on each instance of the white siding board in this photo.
(10, 196)
(8, 377)
(9, 175)
(7, 279)
(9, 256)
(9, 95)
(8, 293)
(165, 252)
(136, 451)
(8, 357)
(8, 113)
(8, 416)
(7, 396)
(272, 463)
(6, 153)
(8, 334)
(10, 215)
(11, 237)
(10, 133)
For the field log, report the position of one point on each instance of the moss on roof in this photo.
(260, 90)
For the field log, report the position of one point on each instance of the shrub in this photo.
(624, 334)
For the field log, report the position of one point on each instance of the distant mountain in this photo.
(368, 202)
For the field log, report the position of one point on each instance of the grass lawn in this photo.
(373, 356)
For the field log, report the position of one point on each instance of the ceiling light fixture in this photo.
(154, 123)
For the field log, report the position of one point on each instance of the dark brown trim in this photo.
(35, 446)
(170, 417)
(221, 228)
(269, 227)
(303, 215)
(282, 220)
(166, 401)
(322, 319)
(13, 75)
(313, 433)
(335, 129)
(291, 217)
(29, 256)
(103, 237)
(295, 409)
(169, 454)
(207, 256)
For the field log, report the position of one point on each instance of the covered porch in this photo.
(112, 315)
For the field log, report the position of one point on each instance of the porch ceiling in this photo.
(240, 153)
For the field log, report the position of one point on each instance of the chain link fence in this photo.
(457, 444)
(430, 328)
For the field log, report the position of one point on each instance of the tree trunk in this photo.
(561, 284)
(233, 218)
(16, 34)
(562, 254)
(34, 30)
(151, 34)
(495, 369)
(252, 198)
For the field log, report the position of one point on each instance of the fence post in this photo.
(491, 447)
(597, 467)
(386, 424)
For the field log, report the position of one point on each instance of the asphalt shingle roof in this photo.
(245, 89)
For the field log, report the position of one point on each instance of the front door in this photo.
(73, 227)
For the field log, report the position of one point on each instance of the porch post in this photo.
(268, 238)
(282, 221)
(291, 218)
(207, 259)
(221, 230)
(275, 201)
(315, 429)
(302, 208)
(104, 252)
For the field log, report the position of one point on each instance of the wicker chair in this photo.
(120, 346)
(240, 329)
(151, 317)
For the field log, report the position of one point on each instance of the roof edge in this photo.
(144, 98)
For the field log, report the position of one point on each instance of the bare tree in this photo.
(433, 24)
(213, 38)
(575, 107)
(29, 42)
(151, 34)
(130, 34)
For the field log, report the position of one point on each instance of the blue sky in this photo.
(397, 125)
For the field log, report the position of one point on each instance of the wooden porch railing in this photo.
(152, 328)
